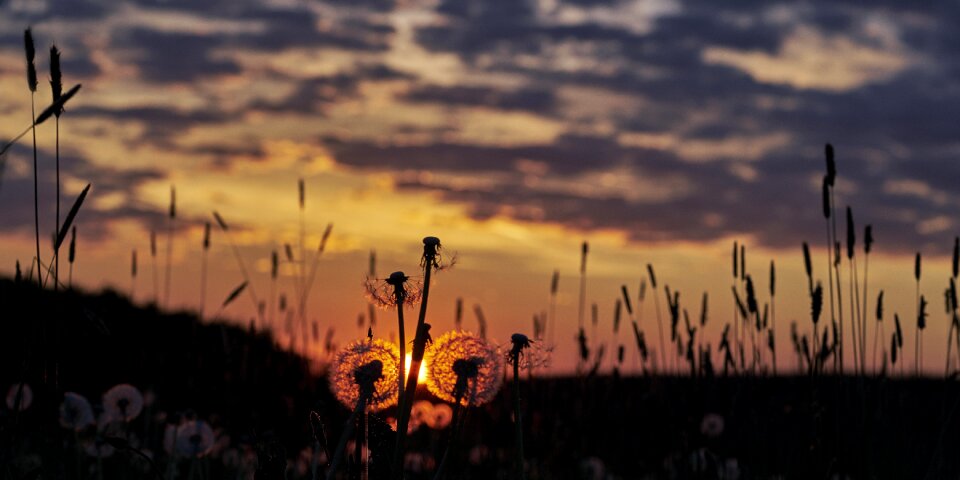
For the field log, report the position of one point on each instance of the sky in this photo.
(658, 131)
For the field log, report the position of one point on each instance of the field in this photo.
(258, 400)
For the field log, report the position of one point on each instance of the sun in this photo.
(422, 374)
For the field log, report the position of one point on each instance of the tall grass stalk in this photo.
(864, 330)
(56, 89)
(153, 260)
(133, 274)
(32, 84)
(582, 303)
(858, 366)
(773, 314)
(72, 256)
(301, 265)
(919, 329)
(203, 267)
(656, 303)
(243, 269)
(171, 217)
(552, 320)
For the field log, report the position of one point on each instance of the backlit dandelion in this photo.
(19, 397)
(75, 412)
(389, 292)
(123, 402)
(194, 439)
(346, 384)
(536, 354)
(461, 365)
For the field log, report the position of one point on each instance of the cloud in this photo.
(16, 194)
(808, 59)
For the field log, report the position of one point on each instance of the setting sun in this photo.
(422, 374)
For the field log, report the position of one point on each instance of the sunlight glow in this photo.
(422, 374)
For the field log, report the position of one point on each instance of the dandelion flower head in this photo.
(123, 402)
(351, 360)
(458, 354)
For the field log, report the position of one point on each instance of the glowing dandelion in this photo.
(462, 367)
(19, 397)
(123, 402)
(75, 412)
(347, 369)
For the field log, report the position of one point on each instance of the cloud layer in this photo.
(666, 120)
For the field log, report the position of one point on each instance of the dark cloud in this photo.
(16, 194)
(160, 124)
(313, 95)
(568, 155)
(529, 99)
(175, 57)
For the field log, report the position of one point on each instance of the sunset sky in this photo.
(659, 131)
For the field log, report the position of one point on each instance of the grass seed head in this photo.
(31, 54)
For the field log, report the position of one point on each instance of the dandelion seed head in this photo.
(387, 293)
(537, 355)
(353, 364)
(194, 439)
(712, 425)
(75, 412)
(123, 402)
(460, 356)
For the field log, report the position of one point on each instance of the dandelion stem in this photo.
(403, 347)
(347, 431)
(429, 260)
(518, 422)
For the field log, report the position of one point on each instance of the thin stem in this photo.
(56, 269)
(419, 345)
(454, 432)
(403, 347)
(347, 431)
(518, 421)
(663, 355)
(203, 283)
(36, 196)
(166, 284)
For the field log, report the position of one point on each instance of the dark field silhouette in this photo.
(258, 400)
